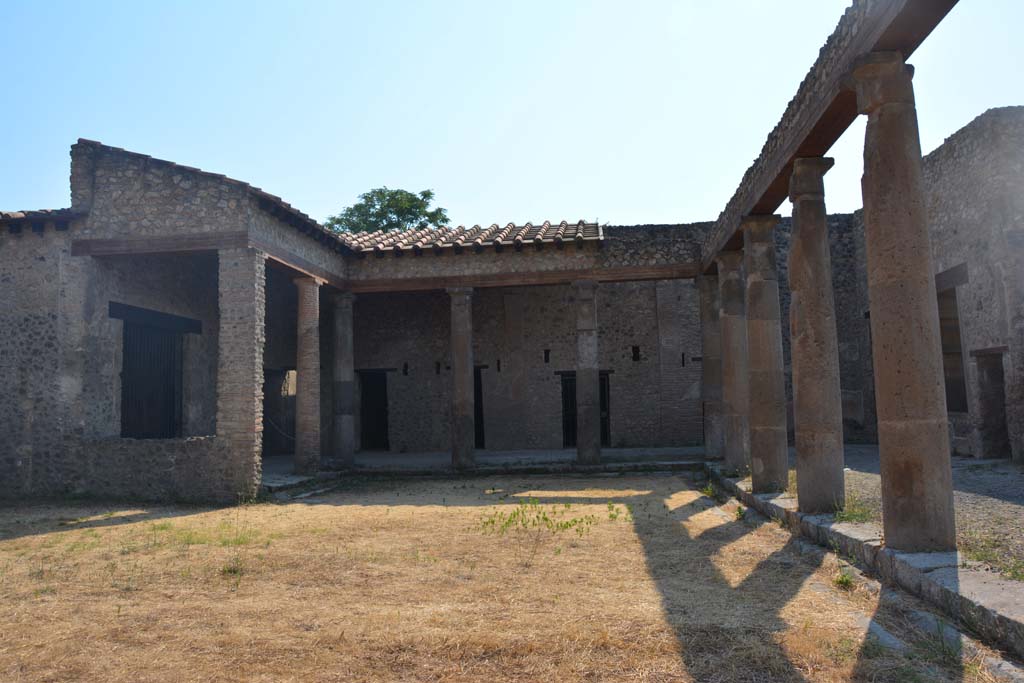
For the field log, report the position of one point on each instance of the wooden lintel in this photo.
(295, 262)
(171, 244)
(550, 277)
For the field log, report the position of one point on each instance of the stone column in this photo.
(913, 435)
(463, 431)
(732, 321)
(344, 381)
(307, 377)
(817, 401)
(241, 298)
(588, 375)
(711, 366)
(769, 448)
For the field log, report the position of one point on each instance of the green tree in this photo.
(386, 209)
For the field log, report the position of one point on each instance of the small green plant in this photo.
(856, 509)
(234, 567)
(614, 512)
(532, 524)
(740, 512)
(843, 580)
(709, 490)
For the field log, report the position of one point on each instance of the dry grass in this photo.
(398, 581)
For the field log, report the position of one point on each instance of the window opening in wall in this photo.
(547, 355)
(437, 368)
(682, 360)
(151, 371)
(636, 354)
(405, 369)
(498, 364)
(952, 352)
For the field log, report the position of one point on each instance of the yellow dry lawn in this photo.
(635, 578)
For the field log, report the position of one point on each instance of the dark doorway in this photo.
(995, 440)
(569, 410)
(952, 352)
(373, 386)
(478, 406)
(150, 382)
(278, 411)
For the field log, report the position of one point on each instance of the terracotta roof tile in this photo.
(477, 238)
(413, 241)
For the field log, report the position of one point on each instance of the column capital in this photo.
(343, 298)
(882, 78)
(808, 178)
(454, 292)
(759, 222)
(729, 261)
(306, 281)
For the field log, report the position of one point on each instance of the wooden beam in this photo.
(177, 244)
(174, 244)
(821, 117)
(548, 277)
(295, 262)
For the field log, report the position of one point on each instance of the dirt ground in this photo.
(988, 496)
(626, 578)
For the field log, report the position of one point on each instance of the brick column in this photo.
(344, 381)
(307, 380)
(241, 297)
(817, 401)
(588, 375)
(769, 448)
(711, 366)
(463, 426)
(913, 432)
(732, 321)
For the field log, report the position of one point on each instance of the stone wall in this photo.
(642, 245)
(655, 400)
(976, 219)
(130, 195)
(62, 356)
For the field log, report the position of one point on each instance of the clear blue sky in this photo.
(624, 112)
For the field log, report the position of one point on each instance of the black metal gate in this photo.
(150, 382)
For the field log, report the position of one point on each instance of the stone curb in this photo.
(989, 605)
(695, 466)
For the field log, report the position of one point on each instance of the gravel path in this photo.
(989, 499)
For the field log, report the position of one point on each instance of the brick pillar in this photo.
(817, 401)
(463, 425)
(241, 297)
(711, 366)
(769, 448)
(344, 381)
(307, 377)
(913, 432)
(732, 321)
(588, 375)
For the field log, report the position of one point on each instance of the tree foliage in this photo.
(386, 209)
